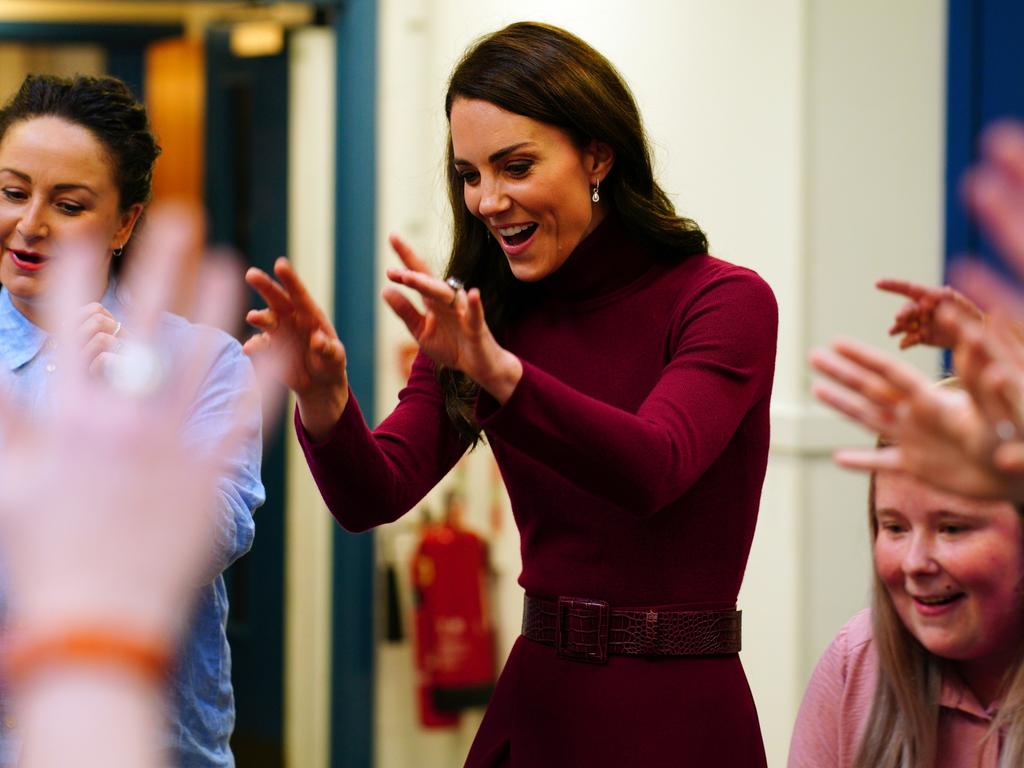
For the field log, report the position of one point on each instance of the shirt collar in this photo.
(956, 694)
(21, 340)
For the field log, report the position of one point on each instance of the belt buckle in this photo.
(581, 632)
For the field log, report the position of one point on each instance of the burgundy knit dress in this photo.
(633, 450)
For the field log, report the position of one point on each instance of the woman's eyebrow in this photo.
(59, 187)
(496, 155)
(19, 174)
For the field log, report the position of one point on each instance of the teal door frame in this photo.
(353, 637)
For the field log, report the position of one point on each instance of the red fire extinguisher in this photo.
(454, 637)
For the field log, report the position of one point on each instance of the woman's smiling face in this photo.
(58, 194)
(528, 182)
(953, 568)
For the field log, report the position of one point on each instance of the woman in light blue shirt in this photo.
(76, 164)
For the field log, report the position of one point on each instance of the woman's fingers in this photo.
(254, 345)
(475, 317)
(855, 407)
(903, 288)
(888, 459)
(1009, 457)
(173, 237)
(264, 319)
(330, 351)
(1003, 145)
(998, 203)
(985, 287)
(406, 311)
(99, 345)
(428, 287)
(276, 297)
(407, 255)
(899, 378)
(302, 301)
(855, 376)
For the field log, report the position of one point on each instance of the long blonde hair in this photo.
(902, 728)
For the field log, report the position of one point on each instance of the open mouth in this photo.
(27, 259)
(940, 600)
(518, 234)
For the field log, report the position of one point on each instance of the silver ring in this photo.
(456, 285)
(117, 329)
(136, 371)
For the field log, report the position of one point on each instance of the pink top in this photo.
(837, 703)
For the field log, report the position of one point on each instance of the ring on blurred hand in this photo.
(117, 329)
(456, 285)
(136, 371)
(1006, 430)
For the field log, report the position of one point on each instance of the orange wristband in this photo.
(25, 656)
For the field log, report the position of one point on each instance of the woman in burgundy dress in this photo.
(622, 377)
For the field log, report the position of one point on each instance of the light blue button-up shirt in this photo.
(204, 712)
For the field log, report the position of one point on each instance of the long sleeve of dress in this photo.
(369, 477)
(720, 363)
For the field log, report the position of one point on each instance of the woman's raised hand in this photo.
(948, 438)
(916, 319)
(311, 356)
(452, 328)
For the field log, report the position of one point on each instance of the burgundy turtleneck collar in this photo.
(606, 260)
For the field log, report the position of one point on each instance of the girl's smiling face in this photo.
(953, 568)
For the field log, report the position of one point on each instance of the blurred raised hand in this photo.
(947, 437)
(994, 190)
(106, 512)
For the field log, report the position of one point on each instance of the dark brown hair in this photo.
(106, 107)
(552, 76)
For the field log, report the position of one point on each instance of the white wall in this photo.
(806, 137)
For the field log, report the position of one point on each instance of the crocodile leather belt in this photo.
(588, 630)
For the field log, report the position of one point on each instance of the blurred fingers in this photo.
(985, 287)
(852, 405)
(897, 378)
(855, 377)
(888, 459)
(1003, 145)
(902, 287)
(264, 319)
(169, 246)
